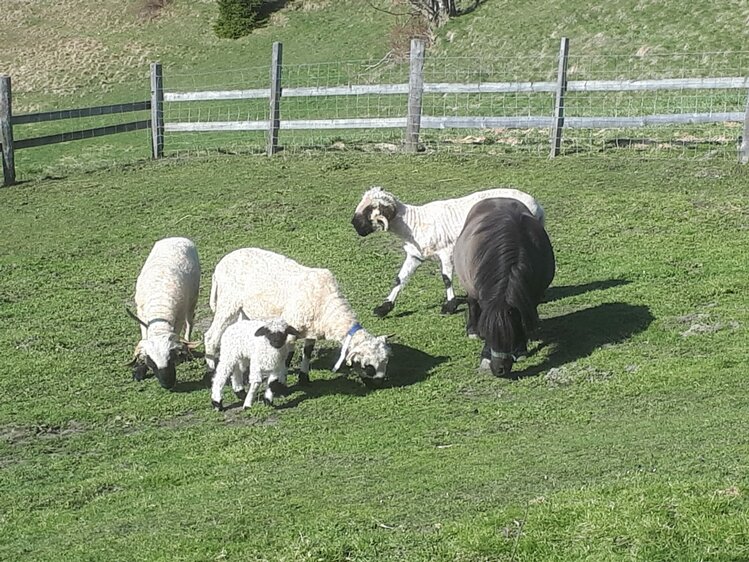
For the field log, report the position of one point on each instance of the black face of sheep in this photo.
(167, 376)
(277, 339)
(362, 223)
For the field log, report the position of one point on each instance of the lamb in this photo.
(166, 293)
(264, 284)
(428, 230)
(261, 346)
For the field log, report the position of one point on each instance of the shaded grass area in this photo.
(621, 440)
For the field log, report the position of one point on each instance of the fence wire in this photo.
(389, 110)
(695, 140)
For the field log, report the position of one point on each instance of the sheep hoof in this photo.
(267, 401)
(240, 394)
(217, 406)
(303, 378)
(279, 388)
(450, 306)
(383, 310)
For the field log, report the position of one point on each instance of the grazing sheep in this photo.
(428, 230)
(166, 293)
(261, 346)
(264, 284)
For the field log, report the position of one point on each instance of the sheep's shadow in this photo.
(556, 293)
(193, 385)
(407, 366)
(576, 335)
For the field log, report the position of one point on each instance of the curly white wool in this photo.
(166, 293)
(428, 230)
(264, 284)
(242, 347)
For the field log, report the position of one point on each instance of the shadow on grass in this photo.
(564, 291)
(407, 366)
(194, 385)
(577, 334)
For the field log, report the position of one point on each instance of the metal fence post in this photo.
(415, 91)
(274, 121)
(556, 130)
(157, 110)
(6, 132)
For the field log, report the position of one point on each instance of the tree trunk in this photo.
(435, 11)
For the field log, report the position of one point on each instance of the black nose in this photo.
(362, 225)
(167, 376)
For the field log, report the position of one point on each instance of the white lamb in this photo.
(261, 346)
(264, 284)
(166, 293)
(429, 231)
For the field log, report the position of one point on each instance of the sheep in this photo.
(428, 230)
(264, 284)
(263, 346)
(166, 293)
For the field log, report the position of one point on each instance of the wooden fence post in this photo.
(6, 132)
(744, 149)
(157, 110)
(415, 91)
(274, 121)
(556, 130)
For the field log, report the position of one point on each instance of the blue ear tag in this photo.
(346, 342)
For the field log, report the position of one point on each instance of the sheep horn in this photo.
(383, 221)
(189, 344)
(135, 317)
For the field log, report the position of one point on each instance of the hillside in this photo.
(59, 47)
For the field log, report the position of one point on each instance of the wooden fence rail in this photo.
(412, 121)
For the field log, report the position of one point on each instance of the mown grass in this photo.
(623, 440)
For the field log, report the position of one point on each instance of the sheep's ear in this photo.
(292, 331)
(262, 331)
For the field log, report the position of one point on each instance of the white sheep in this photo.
(428, 230)
(166, 293)
(260, 346)
(264, 284)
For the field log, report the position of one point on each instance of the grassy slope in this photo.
(626, 442)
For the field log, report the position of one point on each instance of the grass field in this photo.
(625, 438)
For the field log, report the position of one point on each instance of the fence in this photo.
(416, 103)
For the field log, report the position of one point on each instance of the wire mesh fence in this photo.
(470, 105)
(388, 107)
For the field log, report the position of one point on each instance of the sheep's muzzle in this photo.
(167, 376)
(362, 224)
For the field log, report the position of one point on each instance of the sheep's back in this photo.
(265, 284)
(169, 281)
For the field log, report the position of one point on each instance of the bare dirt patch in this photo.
(16, 435)
(700, 323)
(571, 374)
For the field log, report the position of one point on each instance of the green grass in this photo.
(626, 439)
